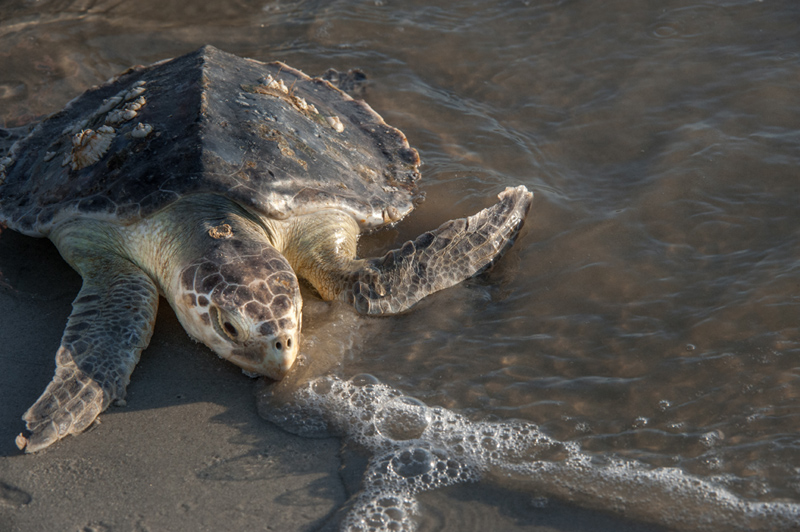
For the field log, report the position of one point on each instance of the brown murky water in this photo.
(645, 321)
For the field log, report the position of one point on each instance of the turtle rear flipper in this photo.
(457, 250)
(111, 322)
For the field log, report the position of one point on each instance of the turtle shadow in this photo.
(36, 291)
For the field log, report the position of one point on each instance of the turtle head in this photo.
(242, 300)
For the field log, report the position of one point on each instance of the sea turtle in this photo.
(216, 181)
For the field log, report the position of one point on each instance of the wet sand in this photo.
(188, 452)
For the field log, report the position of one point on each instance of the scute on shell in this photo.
(263, 134)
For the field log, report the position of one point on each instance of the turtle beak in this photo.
(273, 358)
(279, 357)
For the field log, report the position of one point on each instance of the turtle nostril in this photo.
(282, 343)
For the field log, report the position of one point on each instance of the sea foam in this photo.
(415, 448)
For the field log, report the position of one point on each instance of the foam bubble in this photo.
(403, 418)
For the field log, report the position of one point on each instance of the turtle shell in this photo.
(264, 135)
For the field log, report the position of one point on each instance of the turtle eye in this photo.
(223, 324)
(230, 329)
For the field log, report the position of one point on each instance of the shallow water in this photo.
(645, 320)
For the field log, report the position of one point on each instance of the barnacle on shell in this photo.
(117, 116)
(129, 112)
(88, 146)
(271, 83)
(136, 104)
(136, 91)
(109, 103)
(141, 130)
(335, 123)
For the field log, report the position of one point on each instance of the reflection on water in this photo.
(646, 319)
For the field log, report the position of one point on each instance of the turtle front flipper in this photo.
(457, 250)
(111, 323)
